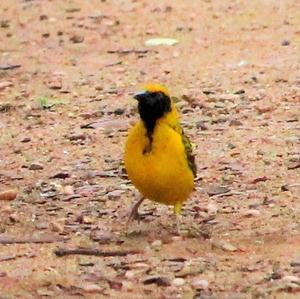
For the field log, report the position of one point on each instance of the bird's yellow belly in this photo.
(163, 174)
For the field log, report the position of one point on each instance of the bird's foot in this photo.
(178, 224)
(134, 214)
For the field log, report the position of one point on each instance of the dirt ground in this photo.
(68, 70)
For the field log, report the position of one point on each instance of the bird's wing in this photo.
(188, 149)
(189, 152)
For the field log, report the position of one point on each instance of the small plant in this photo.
(44, 103)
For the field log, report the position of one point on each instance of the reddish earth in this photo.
(68, 70)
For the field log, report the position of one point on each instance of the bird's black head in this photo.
(152, 106)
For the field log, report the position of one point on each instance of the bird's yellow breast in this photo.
(162, 173)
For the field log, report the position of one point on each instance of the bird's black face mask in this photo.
(152, 106)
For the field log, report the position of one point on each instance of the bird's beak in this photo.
(140, 95)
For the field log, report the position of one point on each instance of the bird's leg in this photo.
(177, 210)
(134, 210)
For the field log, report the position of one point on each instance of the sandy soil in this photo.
(68, 70)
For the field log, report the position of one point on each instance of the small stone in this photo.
(77, 137)
(43, 17)
(5, 84)
(293, 165)
(140, 265)
(92, 288)
(116, 194)
(8, 195)
(162, 281)
(156, 244)
(216, 190)
(251, 213)
(5, 107)
(211, 209)
(129, 274)
(199, 284)
(56, 227)
(119, 111)
(227, 97)
(14, 217)
(88, 220)
(296, 262)
(41, 225)
(285, 42)
(36, 166)
(77, 39)
(102, 237)
(235, 123)
(224, 245)
(55, 83)
(291, 278)
(46, 35)
(44, 292)
(61, 175)
(26, 140)
(178, 282)
(200, 125)
(263, 108)
(127, 285)
(176, 238)
(68, 190)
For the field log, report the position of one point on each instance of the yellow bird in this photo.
(158, 155)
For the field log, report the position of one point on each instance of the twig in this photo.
(127, 51)
(94, 252)
(6, 67)
(230, 193)
(33, 239)
(13, 257)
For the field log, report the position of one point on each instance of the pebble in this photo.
(251, 213)
(176, 238)
(216, 190)
(224, 245)
(88, 220)
(285, 42)
(158, 280)
(5, 84)
(115, 194)
(26, 140)
(178, 282)
(76, 137)
(55, 83)
(129, 274)
(291, 278)
(77, 39)
(156, 244)
(8, 195)
(295, 262)
(36, 166)
(92, 288)
(212, 209)
(127, 285)
(5, 107)
(68, 190)
(227, 97)
(56, 227)
(201, 125)
(102, 237)
(61, 175)
(199, 284)
(41, 226)
(235, 123)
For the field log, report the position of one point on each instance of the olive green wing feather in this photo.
(188, 148)
(189, 153)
